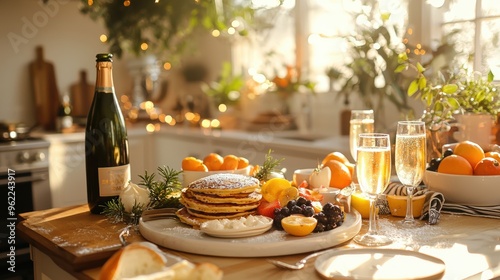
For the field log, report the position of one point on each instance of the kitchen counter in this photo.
(71, 243)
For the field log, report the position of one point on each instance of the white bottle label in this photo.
(113, 179)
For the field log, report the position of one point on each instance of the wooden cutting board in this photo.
(45, 91)
(74, 238)
(82, 93)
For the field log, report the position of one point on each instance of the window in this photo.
(473, 26)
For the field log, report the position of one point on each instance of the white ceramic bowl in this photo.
(190, 176)
(301, 175)
(465, 189)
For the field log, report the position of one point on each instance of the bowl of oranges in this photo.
(194, 168)
(466, 175)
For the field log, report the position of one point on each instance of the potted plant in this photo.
(451, 95)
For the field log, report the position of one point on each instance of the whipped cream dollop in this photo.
(249, 222)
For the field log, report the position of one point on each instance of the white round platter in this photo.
(172, 234)
(378, 263)
(238, 233)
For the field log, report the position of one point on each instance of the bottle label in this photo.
(113, 179)
(105, 89)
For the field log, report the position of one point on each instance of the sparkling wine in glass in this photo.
(374, 172)
(410, 160)
(362, 121)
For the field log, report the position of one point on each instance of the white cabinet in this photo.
(141, 154)
(170, 149)
(67, 171)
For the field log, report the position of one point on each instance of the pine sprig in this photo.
(163, 193)
(114, 211)
(270, 164)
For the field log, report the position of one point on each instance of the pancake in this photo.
(212, 216)
(193, 203)
(225, 184)
(189, 219)
(244, 198)
(219, 196)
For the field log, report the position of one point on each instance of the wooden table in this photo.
(71, 243)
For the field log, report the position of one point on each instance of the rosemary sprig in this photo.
(270, 164)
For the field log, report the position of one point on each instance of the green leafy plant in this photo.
(226, 90)
(370, 74)
(454, 92)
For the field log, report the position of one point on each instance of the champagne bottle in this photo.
(106, 143)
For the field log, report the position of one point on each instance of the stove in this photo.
(24, 155)
(24, 185)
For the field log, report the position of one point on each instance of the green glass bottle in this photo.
(106, 142)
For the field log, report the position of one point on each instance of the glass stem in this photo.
(372, 223)
(409, 204)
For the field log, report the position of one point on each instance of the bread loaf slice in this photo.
(145, 261)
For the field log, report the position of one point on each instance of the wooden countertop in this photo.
(80, 243)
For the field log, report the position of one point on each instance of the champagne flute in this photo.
(374, 172)
(362, 121)
(410, 160)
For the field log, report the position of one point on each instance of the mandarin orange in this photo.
(213, 161)
(243, 162)
(341, 175)
(487, 166)
(469, 150)
(455, 164)
(230, 163)
(335, 156)
(193, 164)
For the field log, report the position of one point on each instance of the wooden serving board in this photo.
(74, 238)
(45, 91)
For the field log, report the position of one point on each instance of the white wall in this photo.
(70, 41)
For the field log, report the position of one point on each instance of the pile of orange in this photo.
(469, 158)
(214, 162)
(341, 168)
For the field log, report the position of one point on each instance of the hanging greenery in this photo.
(164, 25)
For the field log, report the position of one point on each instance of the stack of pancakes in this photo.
(219, 196)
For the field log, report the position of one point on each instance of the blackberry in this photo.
(301, 200)
(319, 228)
(285, 211)
(321, 218)
(291, 203)
(308, 211)
(296, 210)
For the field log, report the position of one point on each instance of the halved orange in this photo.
(298, 225)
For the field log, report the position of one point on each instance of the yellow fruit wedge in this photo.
(287, 195)
(360, 202)
(271, 189)
(298, 225)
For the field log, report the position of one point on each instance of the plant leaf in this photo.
(412, 88)
(450, 88)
